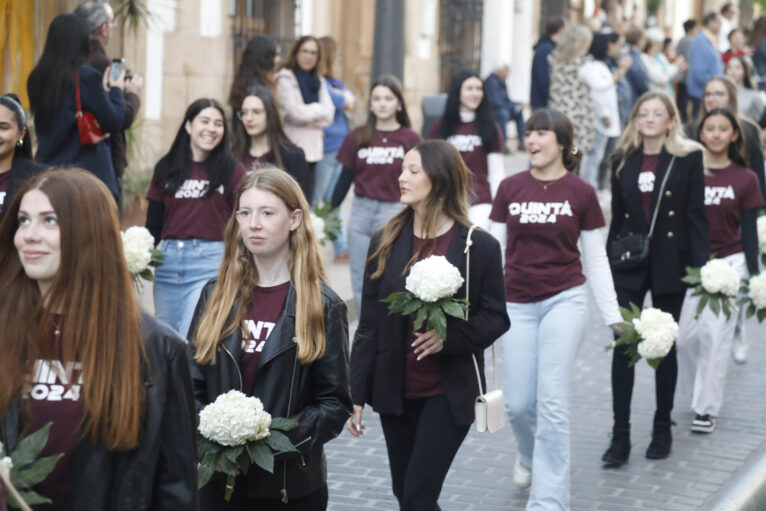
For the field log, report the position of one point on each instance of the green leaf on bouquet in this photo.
(30, 447)
(699, 291)
(635, 309)
(763, 259)
(693, 276)
(750, 311)
(283, 424)
(263, 457)
(715, 304)
(232, 453)
(203, 446)
(726, 306)
(206, 468)
(654, 363)
(420, 318)
(243, 463)
(30, 497)
(279, 442)
(701, 305)
(411, 307)
(761, 315)
(147, 275)
(438, 322)
(395, 296)
(743, 300)
(453, 308)
(36, 473)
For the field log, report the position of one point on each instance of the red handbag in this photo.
(87, 125)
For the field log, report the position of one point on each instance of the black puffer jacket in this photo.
(159, 474)
(316, 394)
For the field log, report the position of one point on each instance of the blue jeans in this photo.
(367, 216)
(327, 174)
(506, 115)
(539, 352)
(593, 160)
(187, 267)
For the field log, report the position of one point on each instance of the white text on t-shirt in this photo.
(714, 194)
(51, 379)
(539, 212)
(465, 143)
(380, 155)
(194, 189)
(257, 335)
(646, 182)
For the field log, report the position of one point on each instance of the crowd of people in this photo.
(242, 300)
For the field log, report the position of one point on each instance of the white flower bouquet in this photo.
(648, 333)
(24, 469)
(754, 296)
(716, 283)
(430, 286)
(235, 431)
(140, 254)
(325, 221)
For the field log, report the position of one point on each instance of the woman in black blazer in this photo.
(422, 386)
(652, 140)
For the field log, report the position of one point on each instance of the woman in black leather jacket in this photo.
(115, 385)
(269, 327)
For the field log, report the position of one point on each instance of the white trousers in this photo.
(703, 348)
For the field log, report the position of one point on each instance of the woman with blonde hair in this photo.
(270, 327)
(77, 353)
(658, 173)
(569, 91)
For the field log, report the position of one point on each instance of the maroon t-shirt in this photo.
(646, 183)
(268, 303)
(251, 163)
(421, 377)
(54, 396)
(544, 223)
(466, 139)
(5, 178)
(728, 192)
(377, 166)
(189, 214)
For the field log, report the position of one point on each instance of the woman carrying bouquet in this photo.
(269, 327)
(115, 383)
(190, 199)
(469, 124)
(372, 156)
(540, 216)
(424, 386)
(652, 140)
(732, 201)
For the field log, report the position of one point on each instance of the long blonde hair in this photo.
(574, 43)
(675, 142)
(238, 276)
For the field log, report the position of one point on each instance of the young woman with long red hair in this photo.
(76, 352)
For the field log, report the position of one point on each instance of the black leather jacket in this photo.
(316, 394)
(159, 474)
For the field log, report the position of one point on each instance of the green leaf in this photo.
(203, 446)
(701, 305)
(411, 307)
(626, 314)
(36, 472)
(147, 275)
(715, 305)
(761, 314)
(232, 453)
(420, 318)
(654, 363)
(283, 423)
(30, 497)
(279, 442)
(227, 466)
(635, 309)
(243, 462)
(264, 458)
(453, 308)
(725, 304)
(439, 322)
(395, 296)
(204, 473)
(750, 311)
(30, 447)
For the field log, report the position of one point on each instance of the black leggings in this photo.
(211, 498)
(664, 377)
(421, 443)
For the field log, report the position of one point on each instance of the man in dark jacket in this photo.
(541, 74)
(505, 110)
(634, 83)
(100, 19)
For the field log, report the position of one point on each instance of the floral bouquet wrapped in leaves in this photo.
(648, 333)
(24, 469)
(325, 221)
(140, 254)
(717, 282)
(430, 286)
(754, 296)
(235, 431)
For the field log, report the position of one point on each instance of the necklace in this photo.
(545, 183)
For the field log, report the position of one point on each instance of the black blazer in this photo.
(21, 170)
(681, 233)
(294, 163)
(377, 357)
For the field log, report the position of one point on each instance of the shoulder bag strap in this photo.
(77, 92)
(659, 197)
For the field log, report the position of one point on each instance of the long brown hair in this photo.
(93, 290)
(445, 168)
(238, 276)
(366, 133)
(257, 62)
(291, 62)
(275, 130)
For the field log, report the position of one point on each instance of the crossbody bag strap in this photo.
(77, 92)
(659, 197)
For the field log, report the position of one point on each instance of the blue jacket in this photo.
(541, 73)
(704, 63)
(636, 77)
(497, 93)
(59, 141)
(337, 131)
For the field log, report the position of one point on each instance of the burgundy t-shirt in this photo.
(421, 377)
(5, 179)
(377, 166)
(466, 139)
(189, 214)
(268, 303)
(251, 163)
(544, 224)
(646, 183)
(728, 192)
(54, 396)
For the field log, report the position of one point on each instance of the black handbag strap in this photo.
(659, 197)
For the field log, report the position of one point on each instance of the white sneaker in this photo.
(522, 476)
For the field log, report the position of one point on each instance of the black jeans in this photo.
(666, 374)
(421, 444)
(211, 498)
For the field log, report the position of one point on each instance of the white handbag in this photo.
(489, 406)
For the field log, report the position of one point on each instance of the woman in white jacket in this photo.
(659, 71)
(603, 89)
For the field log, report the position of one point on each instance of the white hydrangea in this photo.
(762, 234)
(757, 291)
(718, 276)
(433, 278)
(317, 225)
(658, 331)
(234, 419)
(137, 243)
(6, 464)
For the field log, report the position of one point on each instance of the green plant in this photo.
(135, 13)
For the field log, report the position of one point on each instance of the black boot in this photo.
(659, 448)
(619, 449)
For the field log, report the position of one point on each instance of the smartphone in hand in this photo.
(116, 69)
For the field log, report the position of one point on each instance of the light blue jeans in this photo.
(539, 352)
(326, 175)
(592, 160)
(187, 267)
(367, 216)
